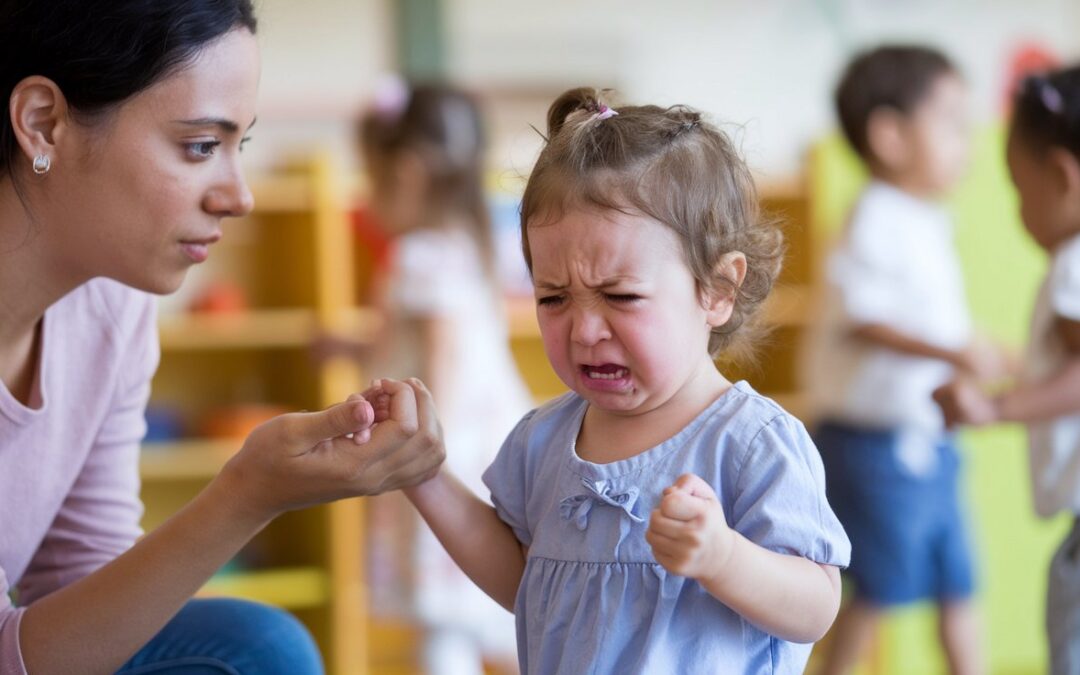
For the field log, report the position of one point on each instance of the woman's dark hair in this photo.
(892, 76)
(1046, 111)
(676, 168)
(102, 52)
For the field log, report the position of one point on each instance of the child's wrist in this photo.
(422, 491)
(719, 573)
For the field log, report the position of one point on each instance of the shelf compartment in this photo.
(288, 588)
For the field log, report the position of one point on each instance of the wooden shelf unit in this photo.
(292, 258)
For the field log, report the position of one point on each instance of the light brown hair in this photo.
(443, 125)
(672, 166)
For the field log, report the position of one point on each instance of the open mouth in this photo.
(607, 371)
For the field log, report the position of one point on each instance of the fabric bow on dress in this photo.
(577, 507)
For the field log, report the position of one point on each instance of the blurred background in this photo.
(238, 340)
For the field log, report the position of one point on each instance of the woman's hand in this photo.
(348, 450)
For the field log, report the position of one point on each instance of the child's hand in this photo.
(984, 360)
(963, 402)
(688, 533)
(379, 399)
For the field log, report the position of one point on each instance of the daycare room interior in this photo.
(238, 341)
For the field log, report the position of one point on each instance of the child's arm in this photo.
(1056, 396)
(482, 545)
(787, 596)
(1053, 397)
(440, 354)
(980, 358)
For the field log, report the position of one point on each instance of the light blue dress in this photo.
(593, 599)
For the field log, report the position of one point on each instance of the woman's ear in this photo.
(886, 138)
(39, 116)
(720, 303)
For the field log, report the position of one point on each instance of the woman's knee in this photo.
(235, 634)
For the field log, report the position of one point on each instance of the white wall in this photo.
(767, 64)
(320, 60)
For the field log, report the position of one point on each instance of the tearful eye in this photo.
(550, 301)
(623, 297)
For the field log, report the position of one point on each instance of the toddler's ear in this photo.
(1066, 169)
(721, 302)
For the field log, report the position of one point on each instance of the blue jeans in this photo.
(216, 636)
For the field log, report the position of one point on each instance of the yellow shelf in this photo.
(186, 460)
(275, 193)
(261, 329)
(788, 306)
(289, 588)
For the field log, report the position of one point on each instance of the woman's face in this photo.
(139, 195)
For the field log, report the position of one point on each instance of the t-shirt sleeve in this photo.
(1065, 283)
(11, 662)
(506, 479)
(780, 501)
(99, 518)
(865, 273)
(423, 281)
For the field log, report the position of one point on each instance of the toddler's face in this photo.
(939, 133)
(1043, 207)
(619, 310)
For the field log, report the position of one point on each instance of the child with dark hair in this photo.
(894, 326)
(657, 518)
(1044, 159)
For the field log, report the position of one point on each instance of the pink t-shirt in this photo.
(69, 479)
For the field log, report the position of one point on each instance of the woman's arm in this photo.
(473, 534)
(787, 596)
(95, 624)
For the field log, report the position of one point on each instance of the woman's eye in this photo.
(622, 297)
(202, 149)
(550, 301)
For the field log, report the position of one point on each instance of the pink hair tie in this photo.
(605, 112)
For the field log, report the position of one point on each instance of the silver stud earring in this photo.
(42, 164)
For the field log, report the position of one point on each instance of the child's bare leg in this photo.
(850, 636)
(961, 636)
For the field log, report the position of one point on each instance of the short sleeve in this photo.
(780, 499)
(865, 273)
(424, 278)
(11, 661)
(506, 479)
(1065, 282)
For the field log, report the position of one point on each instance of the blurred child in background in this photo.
(894, 326)
(424, 151)
(1044, 161)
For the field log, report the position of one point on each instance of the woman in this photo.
(119, 158)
